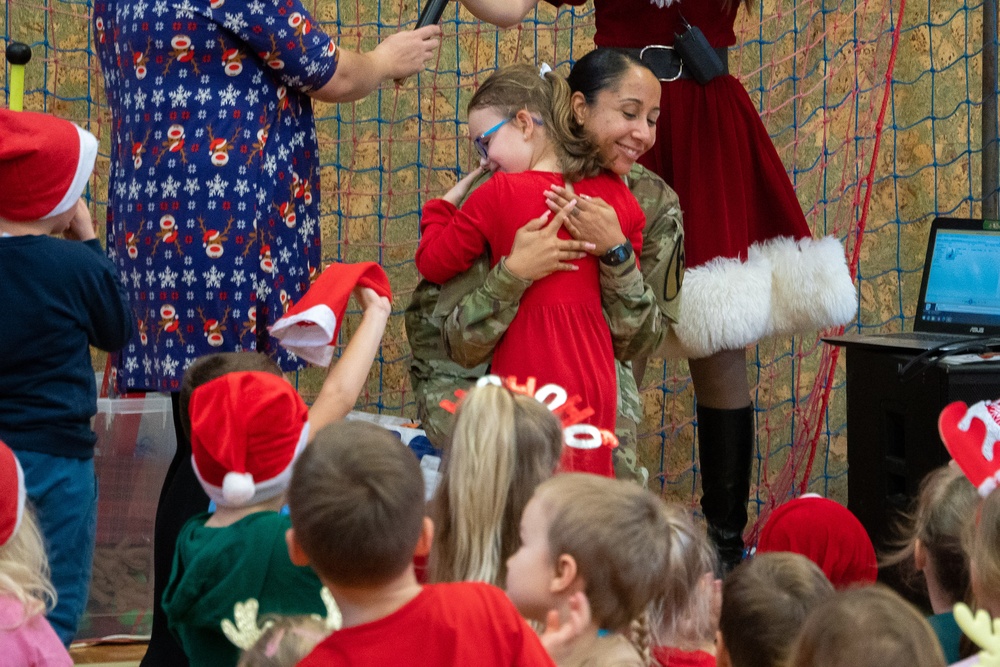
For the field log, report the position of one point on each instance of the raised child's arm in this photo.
(452, 239)
(347, 377)
(110, 317)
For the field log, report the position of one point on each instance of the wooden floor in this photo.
(108, 655)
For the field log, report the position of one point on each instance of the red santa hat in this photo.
(45, 163)
(971, 435)
(309, 328)
(825, 532)
(247, 429)
(13, 495)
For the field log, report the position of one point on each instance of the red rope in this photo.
(807, 447)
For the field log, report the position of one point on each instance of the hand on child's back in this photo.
(538, 251)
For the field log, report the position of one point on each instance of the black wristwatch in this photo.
(619, 254)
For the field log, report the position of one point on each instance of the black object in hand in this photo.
(431, 13)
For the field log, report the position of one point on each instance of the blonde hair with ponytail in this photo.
(503, 445)
(548, 97)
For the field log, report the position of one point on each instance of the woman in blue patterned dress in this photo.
(213, 209)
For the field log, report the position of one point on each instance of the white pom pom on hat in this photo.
(238, 488)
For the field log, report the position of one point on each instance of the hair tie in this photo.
(544, 69)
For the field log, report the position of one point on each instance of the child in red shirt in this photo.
(357, 508)
(524, 129)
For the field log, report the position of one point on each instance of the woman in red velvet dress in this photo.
(753, 268)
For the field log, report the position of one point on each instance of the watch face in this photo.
(618, 254)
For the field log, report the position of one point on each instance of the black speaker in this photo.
(892, 436)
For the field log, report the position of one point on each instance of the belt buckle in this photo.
(680, 63)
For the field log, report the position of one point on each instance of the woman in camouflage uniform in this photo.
(453, 328)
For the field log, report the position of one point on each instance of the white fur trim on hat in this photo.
(725, 305)
(84, 168)
(811, 285)
(22, 495)
(240, 489)
(308, 334)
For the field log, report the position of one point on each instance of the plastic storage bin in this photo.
(135, 443)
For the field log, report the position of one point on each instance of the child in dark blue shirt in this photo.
(60, 296)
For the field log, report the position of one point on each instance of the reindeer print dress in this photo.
(213, 203)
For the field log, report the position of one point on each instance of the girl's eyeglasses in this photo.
(482, 145)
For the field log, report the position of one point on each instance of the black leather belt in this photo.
(666, 62)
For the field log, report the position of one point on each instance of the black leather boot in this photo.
(726, 442)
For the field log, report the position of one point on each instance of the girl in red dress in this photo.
(753, 268)
(524, 128)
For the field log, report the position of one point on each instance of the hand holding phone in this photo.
(431, 13)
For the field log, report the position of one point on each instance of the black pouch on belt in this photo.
(698, 56)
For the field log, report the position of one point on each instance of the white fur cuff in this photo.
(784, 287)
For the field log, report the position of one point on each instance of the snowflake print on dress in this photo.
(213, 208)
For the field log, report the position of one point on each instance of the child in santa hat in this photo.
(247, 427)
(26, 638)
(61, 295)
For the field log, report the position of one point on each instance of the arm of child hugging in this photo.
(347, 377)
(452, 239)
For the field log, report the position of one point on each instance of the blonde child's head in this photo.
(517, 104)
(686, 617)
(932, 536)
(502, 446)
(24, 567)
(609, 539)
(357, 505)
(285, 642)
(984, 554)
(866, 627)
(764, 604)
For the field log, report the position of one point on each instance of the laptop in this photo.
(959, 300)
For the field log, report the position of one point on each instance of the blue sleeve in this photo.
(286, 37)
(109, 321)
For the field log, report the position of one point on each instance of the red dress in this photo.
(559, 334)
(753, 268)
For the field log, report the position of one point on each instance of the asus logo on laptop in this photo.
(976, 330)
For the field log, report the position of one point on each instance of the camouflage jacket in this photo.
(453, 328)
(639, 312)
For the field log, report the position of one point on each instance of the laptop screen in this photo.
(960, 292)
